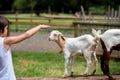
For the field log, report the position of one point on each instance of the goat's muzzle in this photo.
(49, 39)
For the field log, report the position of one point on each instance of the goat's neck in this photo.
(61, 41)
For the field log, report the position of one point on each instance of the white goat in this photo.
(85, 44)
(110, 40)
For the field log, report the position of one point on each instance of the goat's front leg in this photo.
(71, 64)
(66, 66)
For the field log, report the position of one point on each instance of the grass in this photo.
(37, 64)
(34, 64)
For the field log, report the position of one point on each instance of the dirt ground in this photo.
(96, 77)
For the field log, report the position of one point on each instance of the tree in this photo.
(24, 4)
(6, 5)
(56, 5)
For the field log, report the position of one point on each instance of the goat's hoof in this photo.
(111, 78)
(65, 75)
(93, 73)
(60, 52)
(71, 74)
(85, 75)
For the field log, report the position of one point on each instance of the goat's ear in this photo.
(62, 38)
(99, 31)
(94, 31)
(60, 34)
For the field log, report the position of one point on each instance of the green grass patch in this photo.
(38, 64)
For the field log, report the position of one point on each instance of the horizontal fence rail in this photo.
(86, 27)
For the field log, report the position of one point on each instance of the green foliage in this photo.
(24, 4)
(97, 9)
(21, 4)
(56, 5)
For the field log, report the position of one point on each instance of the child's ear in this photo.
(0, 31)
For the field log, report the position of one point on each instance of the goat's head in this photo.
(58, 38)
(54, 35)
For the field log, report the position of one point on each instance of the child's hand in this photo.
(44, 26)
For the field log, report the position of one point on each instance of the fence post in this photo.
(76, 30)
(31, 18)
(115, 16)
(119, 14)
(49, 20)
(108, 15)
(16, 21)
(83, 13)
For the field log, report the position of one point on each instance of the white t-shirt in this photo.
(6, 65)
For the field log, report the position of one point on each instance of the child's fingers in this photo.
(44, 26)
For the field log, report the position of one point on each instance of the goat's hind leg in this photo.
(95, 61)
(88, 60)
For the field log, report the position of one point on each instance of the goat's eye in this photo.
(55, 34)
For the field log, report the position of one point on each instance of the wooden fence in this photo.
(80, 27)
(86, 27)
(36, 21)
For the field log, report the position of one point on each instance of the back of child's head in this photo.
(3, 23)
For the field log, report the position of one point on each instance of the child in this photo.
(6, 65)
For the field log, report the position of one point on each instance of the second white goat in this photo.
(85, 44)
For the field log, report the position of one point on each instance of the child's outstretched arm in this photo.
(15, 39)
(32, 31)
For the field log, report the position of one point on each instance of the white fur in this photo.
(85, 44)
(110, 37)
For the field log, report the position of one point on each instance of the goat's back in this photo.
(79, 43)
(111, 38)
